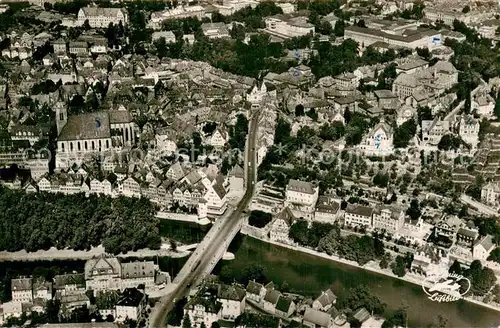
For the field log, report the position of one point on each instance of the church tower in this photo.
(61, 116)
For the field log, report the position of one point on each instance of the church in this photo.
(91, 133)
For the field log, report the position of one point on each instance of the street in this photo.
(215, 241)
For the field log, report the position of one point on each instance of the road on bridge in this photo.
(203, 257)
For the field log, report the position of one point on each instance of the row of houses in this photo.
(102, 274)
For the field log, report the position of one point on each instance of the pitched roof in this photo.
(21, 284)
(284, 303)
(60, 281)
(300, 186)
(316, 317)
(86, 126)
(131, 297)
(134, 270)
(359, 210)
(230, 292)
(272, 296)
(326, 298)
(486, 242)
(254, 287)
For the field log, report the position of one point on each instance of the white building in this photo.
(358, 215)
(327, 209)
(169, 36)
(301, 193)
(468, 129)
(102, 17)
(22, 290)
(216, 197)
(82, 135)
(130, 305)
(388, 219)
(433, 131)
(219, 138)
(206, 310)
(288, 26)
(281, 226)
(157, 18)
(483, 247)
(379, 140)
(215, 30)
(232, 299)
(490, 193)
(107, 273)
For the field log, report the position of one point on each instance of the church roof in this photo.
(86, 126)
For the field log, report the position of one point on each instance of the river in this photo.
(308, 275)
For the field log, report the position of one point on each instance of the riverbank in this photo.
(70, 254)
(371, 266)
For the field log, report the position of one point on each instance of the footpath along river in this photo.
(308, 275)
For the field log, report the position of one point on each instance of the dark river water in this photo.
(309, 275)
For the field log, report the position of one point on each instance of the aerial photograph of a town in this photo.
(250, 163)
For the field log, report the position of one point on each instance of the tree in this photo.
(259, 219)
(339, 28)
(495, 255)
(299, 231)
(399, 266)
(414, 210)
(450, 142)
(215, 324)
(254, 272)
(299, 110)
(466, 9)
(237, 32)
(455, 268)
(497, 106)
(381, 179)
(404, 133)
(186, 323)
(203, 325)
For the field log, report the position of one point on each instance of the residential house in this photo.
(271, 300)
(232, 298)
(59, 46)
(490, 193)
(405, 85)
(216, 197)
(169, 36)
(255, 291)
(285, 306)
(316, 319)
(325, 301)
(385, 98)
(281, 226)
(433, 131)
(301, 193)
(346, 83)
(483, 247)
(203, 309)
(327, 209)
(22, 290)
(69, 284)
(78, 48)
(131, 305)
(448, 226)
(467, 237)
(131, 187)
(358, 215)
(219, 138)
(389, 219)
(42, 289)
(176, 171)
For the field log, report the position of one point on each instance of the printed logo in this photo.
(450, 288)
